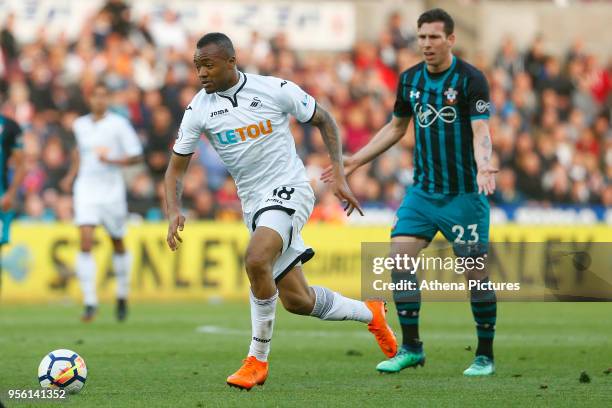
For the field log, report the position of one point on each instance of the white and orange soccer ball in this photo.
(63, 369)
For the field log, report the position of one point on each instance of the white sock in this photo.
(86, 272)
(262, 325)
(333, 306)
(121, 265)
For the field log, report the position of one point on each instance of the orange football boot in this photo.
(253, 372)
(380, 329)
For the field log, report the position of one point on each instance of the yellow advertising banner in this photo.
(38, 265)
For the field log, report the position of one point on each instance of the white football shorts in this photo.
(112, 216)
(286, 209)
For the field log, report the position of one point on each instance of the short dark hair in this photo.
(220, 40)
(437, 15)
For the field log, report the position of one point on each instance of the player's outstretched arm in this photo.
(173, 182)
(331, 136)
(483, 149)
(386, 137)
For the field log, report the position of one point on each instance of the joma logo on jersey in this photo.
(243, 133)
(219, 112)
(274, 200)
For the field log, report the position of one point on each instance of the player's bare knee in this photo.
(86, 244)
(257, 264)
(86, 238)
(408, 249)
(476, 274)
(118, 246)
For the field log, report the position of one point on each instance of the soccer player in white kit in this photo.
(105, 143)
(246, 119)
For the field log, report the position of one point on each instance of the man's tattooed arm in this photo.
(173, 181)
(483, 148)
(330, 133)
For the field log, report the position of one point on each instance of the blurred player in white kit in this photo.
(105, 142)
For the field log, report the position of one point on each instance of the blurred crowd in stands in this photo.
(550, 125)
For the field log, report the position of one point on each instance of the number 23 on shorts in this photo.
(472, 236)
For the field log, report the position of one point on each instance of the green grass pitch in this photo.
(178, 355)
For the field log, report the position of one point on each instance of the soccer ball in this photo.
(63, 369)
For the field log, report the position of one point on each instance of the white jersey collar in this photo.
(233, 91)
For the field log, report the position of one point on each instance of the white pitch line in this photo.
(503, 337)
(298, 333)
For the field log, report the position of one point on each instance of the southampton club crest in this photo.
(451, 96)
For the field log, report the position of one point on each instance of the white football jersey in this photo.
(248, 125)
(99, 182)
